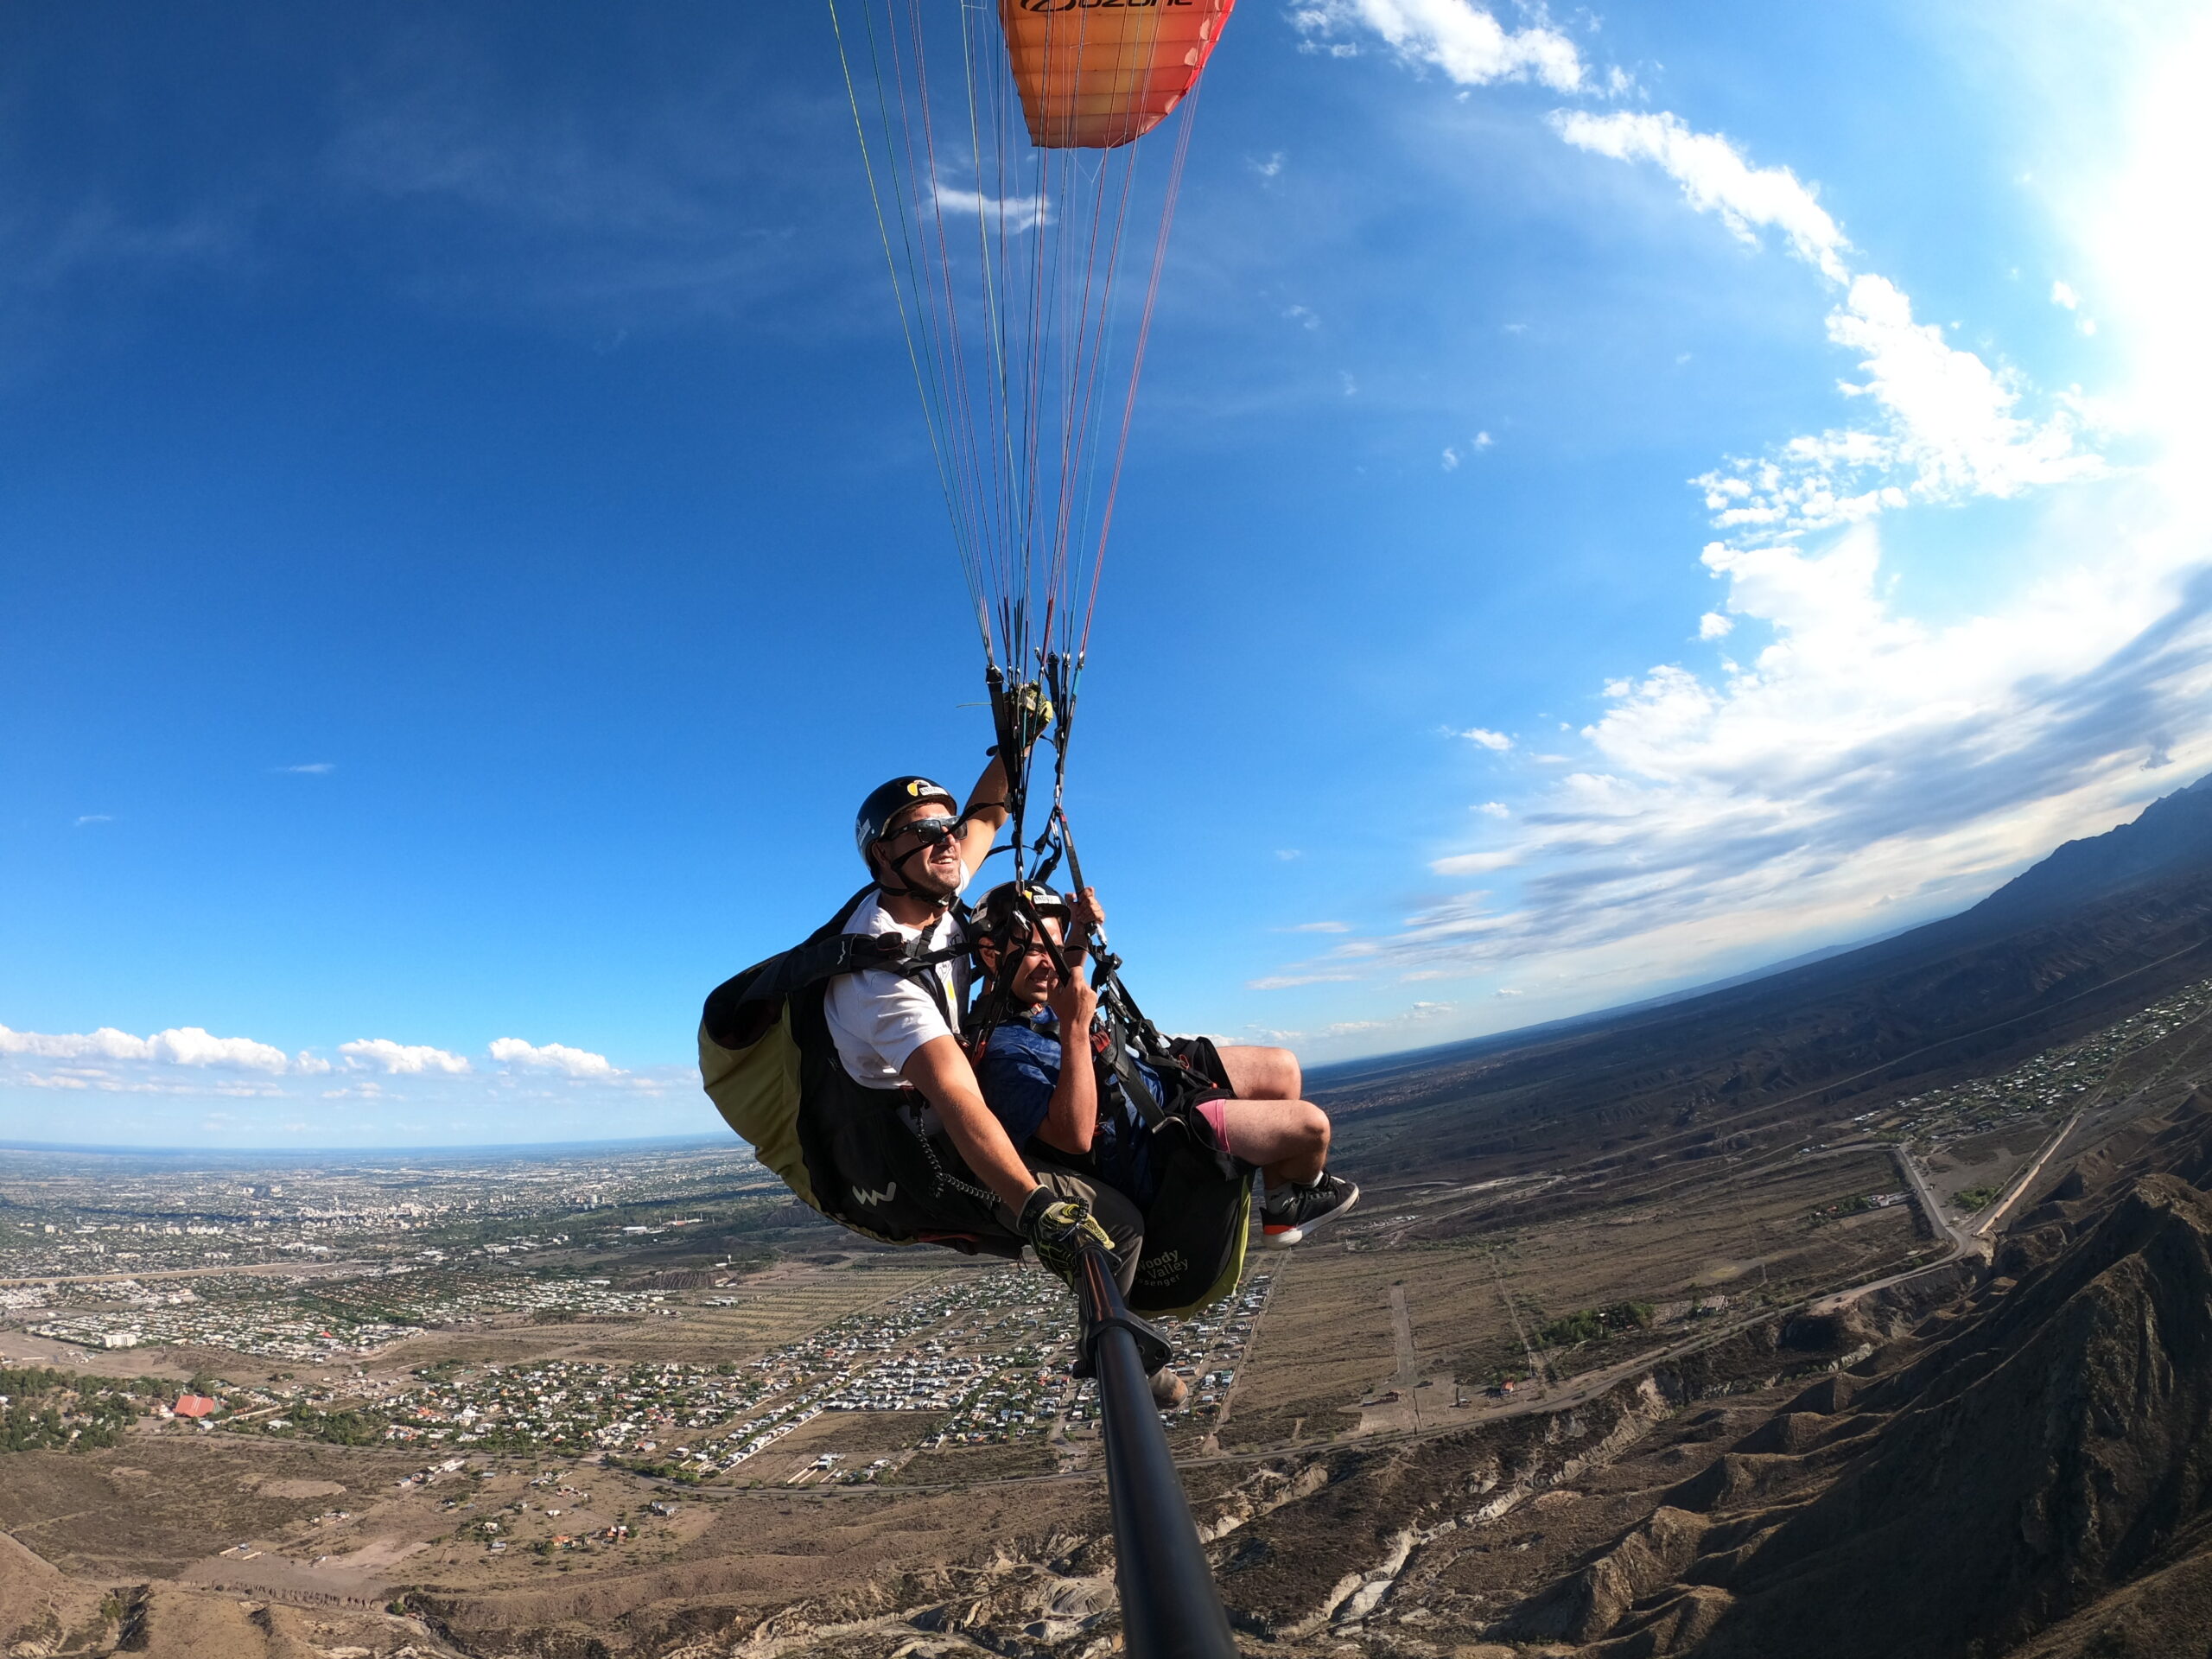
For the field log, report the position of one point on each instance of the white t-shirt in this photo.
(878, 1018)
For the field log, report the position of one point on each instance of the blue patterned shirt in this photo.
(1020, 1067)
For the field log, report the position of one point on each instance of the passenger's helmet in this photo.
(1001, 913)
(886, 800)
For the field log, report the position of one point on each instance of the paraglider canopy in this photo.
(1093, 76)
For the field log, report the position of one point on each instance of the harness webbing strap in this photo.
(1124, 1066)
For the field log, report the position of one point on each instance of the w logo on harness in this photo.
(861, 1195)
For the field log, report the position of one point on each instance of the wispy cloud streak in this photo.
(1467, 44)
(1010, 214)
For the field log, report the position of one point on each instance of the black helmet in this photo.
(884, 801)
(1000, 910)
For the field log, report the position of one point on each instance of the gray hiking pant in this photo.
(1122, 1220)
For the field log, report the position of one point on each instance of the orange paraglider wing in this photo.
(1094, 75)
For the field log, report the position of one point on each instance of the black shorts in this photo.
(1199, 1055)
(1204, 1084)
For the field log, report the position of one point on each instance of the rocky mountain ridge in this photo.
(2025, 1467)
(2172, 836)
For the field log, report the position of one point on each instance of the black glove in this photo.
(1059, 1230)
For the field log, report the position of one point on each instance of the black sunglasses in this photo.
(929, 831)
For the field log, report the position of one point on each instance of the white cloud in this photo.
(1269, 165)
(1950, 427)
(1716, 179)
(1009, 215)
(1485, 739)
(1474, 863)
(182, 1046)
(1953, 418)
(1467, 43)
(1366, 1032)
(312, 768)
(1450, 459)
(396, 1058)
(1316, 927)
(1495, 810)
(102, 1081)
(552, 1057)
(2062, 295)
(1481, 441)
(1284, 981)
(386, 1094)
(1713, 625)
(1950, 431)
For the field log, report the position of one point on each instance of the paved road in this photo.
(1401, 1340)
(258, 1268)
(2020, 1188)
(1937, 1221)
(1938, 1224)
(1963, 1243)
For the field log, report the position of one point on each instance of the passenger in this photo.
(1248, 1095)
(894, 1031)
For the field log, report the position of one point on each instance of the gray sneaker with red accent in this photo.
(1291, 1212)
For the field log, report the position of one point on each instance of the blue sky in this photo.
(1619, 497)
